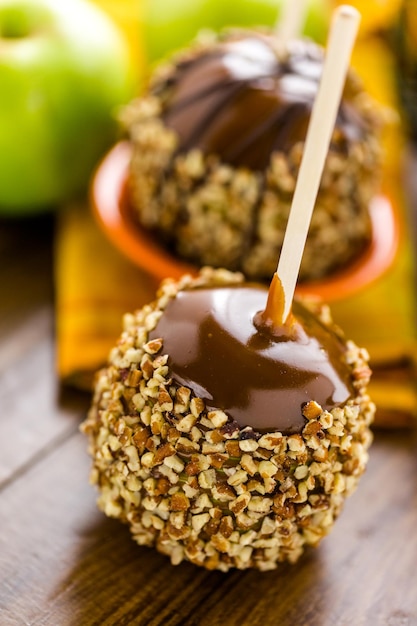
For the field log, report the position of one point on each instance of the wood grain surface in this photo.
(62, 562)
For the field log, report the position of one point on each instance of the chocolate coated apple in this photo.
(222, 437)
(216, 146)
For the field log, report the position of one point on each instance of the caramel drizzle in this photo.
(233, 95)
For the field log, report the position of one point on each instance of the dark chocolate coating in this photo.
(239, 100)
(259, 379)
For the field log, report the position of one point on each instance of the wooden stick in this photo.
(291, 22)
(342, 35)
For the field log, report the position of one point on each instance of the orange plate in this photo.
(111, 209)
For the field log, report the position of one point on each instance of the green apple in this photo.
(168, 25)
(64, 68)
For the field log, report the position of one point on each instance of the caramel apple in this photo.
(218, 439)
(216, 146)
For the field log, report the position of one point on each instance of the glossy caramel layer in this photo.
(258, 377)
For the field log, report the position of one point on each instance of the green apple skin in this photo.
(64, 68)
(169, 25)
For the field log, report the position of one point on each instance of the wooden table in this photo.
(63, 563)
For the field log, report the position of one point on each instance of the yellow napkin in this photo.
(95, 285)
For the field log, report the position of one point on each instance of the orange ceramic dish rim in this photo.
(108, 196)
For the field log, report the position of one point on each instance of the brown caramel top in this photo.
(241, 101)
(258, 377)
